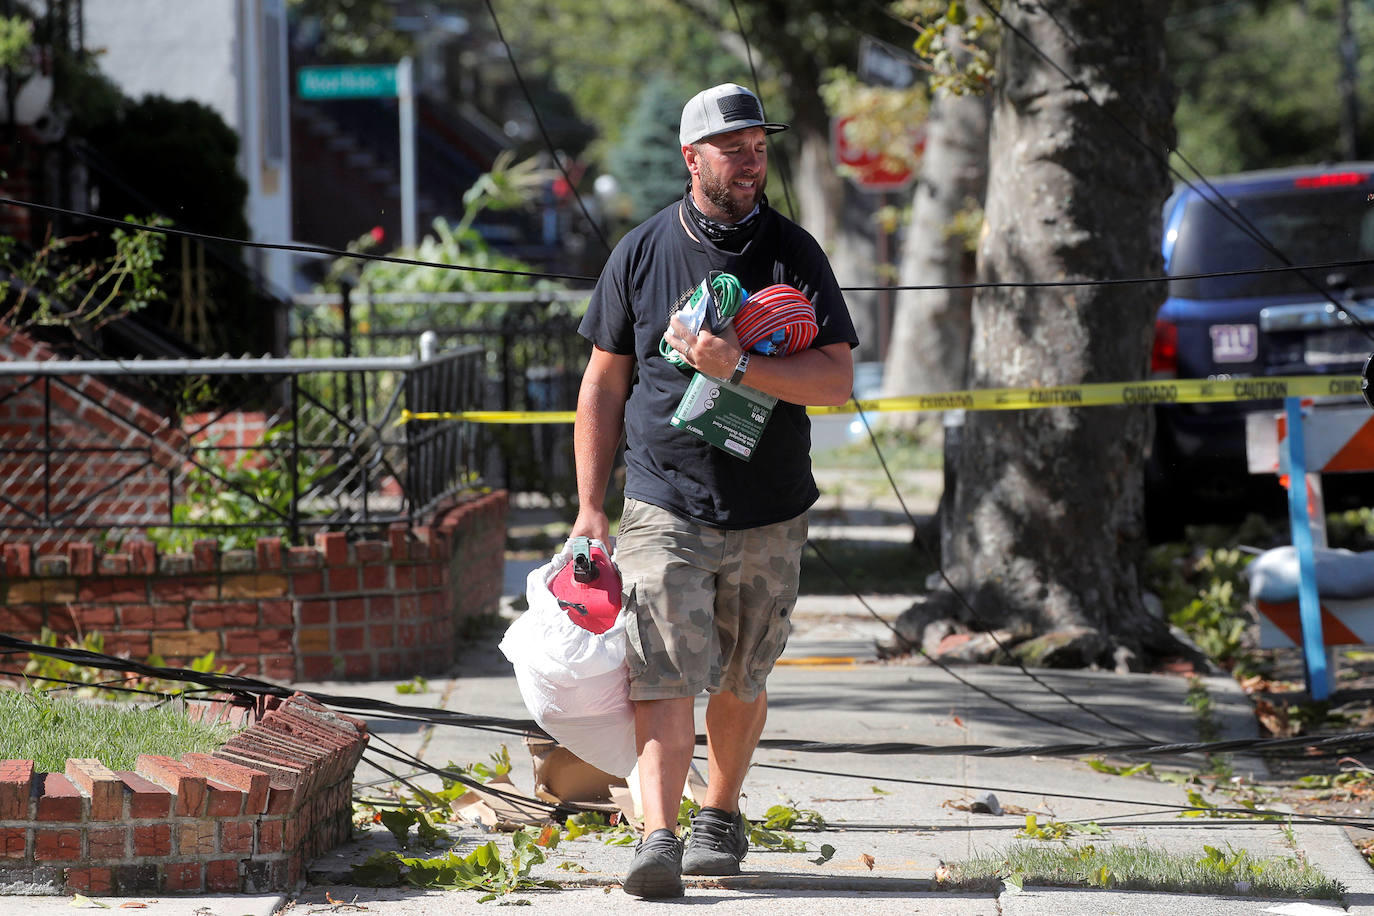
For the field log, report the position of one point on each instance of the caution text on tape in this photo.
(1165, 391)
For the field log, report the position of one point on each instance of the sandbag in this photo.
(1340, 573)
(573, 681)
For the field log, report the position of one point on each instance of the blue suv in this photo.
(1253, 325)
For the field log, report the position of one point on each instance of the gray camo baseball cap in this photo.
(721, 109)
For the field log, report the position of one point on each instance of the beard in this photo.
(718, 193)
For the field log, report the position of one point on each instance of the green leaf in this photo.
(83, 900)
(827, 853)
(429, 835)
(382, 869)
(399, 821)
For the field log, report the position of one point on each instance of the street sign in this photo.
(882, 64)
(868, 168)
(368, 81)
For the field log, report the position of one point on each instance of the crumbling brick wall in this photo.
(245, 819)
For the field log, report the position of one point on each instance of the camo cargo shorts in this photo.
(707, 608)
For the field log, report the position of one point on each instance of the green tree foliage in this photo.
(48, 287)
(603, 53)
(16, 35)
(509, 185)
(351, 30)
(648, 160)
(1258, 81)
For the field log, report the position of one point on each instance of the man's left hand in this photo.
(712, 354)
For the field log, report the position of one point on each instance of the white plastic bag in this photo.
(1340, 573)
(573, 681)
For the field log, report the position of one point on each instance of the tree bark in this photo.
(1046, 516)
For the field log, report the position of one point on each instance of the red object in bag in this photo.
(588, 587)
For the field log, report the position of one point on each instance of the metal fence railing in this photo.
(533, 361)
(234, 446)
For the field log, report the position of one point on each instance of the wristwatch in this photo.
(738, 375)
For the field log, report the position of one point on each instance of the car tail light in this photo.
(1164, 353)
(1330, 179)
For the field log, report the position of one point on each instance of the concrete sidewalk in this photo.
(892, 820)
(890, 836)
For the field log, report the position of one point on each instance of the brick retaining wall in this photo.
(338, 609)
(245, 819)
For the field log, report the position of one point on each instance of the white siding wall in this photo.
(183, 49)
(213, 51)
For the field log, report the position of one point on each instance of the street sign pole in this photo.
(405, 94)
(375, 81)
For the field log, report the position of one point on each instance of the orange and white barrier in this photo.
(1345, 622)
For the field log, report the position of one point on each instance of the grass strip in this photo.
(1143, 867)
(49, 729)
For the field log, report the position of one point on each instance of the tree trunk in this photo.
(839, 216)
(1046, 516)
(930, 328)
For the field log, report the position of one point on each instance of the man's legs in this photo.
(664, 735)
(710, 609)
(733, 728)
(665, 731)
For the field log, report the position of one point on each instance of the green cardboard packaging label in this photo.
(730, 417)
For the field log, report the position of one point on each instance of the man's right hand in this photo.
(592, 523)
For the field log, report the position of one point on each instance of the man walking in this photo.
(709, 543)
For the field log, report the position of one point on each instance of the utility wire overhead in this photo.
(545, 275)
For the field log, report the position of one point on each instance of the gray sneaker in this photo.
(657, 868)
(718, 843)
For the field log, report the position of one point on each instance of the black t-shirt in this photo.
(650, 275)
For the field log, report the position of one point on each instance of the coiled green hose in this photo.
(721, 289)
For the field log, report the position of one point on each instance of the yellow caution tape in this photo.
(491, 416)
(1169, 391)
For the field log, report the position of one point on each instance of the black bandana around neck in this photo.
(730, 236)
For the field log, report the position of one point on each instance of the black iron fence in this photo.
(234, 447)
(533, 359)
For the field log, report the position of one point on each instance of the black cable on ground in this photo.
(1144, 749)
(930, 658)
(245, 686)
(959, 595)
(113, 686)
(240, 685)
(524, 801)
(1256, 813)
